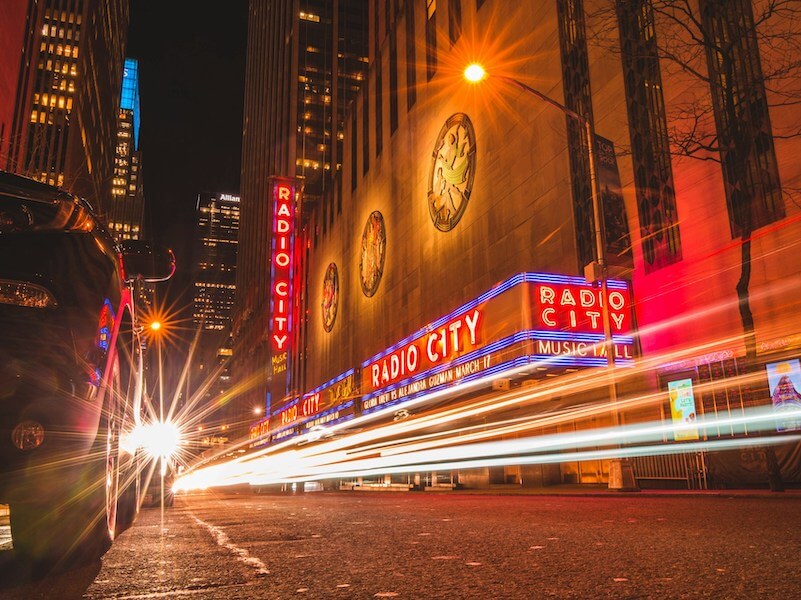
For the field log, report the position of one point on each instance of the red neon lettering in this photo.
(456, 337)
(282, 260)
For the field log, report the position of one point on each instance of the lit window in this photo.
(309, 17)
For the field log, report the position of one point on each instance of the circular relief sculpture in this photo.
(330, 297)
(371, 258)
(453, 168)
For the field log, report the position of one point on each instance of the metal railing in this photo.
(689, 467)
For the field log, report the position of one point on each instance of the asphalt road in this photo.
(421, 545)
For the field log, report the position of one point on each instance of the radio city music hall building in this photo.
(450, 264)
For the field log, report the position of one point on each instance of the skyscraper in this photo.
(126, 209)
(305, 65)
(65, 107)
(215, 286)
(215, 281)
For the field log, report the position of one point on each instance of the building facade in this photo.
(305, 63)
(66, 100)
(126, 210)
(467, 220)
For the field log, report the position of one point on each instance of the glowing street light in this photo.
(475, 73)
(256, 410)
(155, 325)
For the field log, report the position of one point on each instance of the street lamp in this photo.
(476, 73)
(158, 332)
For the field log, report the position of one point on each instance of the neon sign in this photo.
(283, 242)
(531, 318)
(459, 335)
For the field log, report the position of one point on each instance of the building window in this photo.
(650, 148)
(393, 82)
(431, 38)
(411, 75)
(454, 20)
(379, 106)
(576, 84)
(750, 172)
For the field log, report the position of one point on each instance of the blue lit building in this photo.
(125, 211)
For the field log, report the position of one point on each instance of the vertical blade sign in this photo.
(283, 254)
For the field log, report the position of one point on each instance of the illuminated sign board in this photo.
(340, 413)
(334, 393)
(287, 414)
(283, 242)
(682, 409)
(258, 432)
(531, 318)
(331, 393)
(784, 381)
(440, 345)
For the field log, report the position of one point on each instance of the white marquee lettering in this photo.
(432, 355)
(567, 298)
(546, 317)
(472, 326)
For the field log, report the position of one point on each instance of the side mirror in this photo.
(141, 259)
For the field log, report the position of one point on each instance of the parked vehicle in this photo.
(70, 370)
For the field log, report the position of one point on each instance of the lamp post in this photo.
(599, 269)
(157, 331)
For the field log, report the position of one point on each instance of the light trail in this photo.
(295, 465)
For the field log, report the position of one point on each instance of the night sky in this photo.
(192, 71)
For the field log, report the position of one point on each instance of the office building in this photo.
(65, 107)
(125, 215)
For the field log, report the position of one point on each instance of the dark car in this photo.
(70, 370)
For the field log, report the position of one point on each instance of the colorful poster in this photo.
(784, 379)
(682, 409)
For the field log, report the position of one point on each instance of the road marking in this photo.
(242, 555)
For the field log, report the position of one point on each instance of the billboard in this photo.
(682, 409)
(784, 380)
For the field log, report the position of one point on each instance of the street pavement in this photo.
(454, 545)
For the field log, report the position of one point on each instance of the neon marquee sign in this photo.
(550, 320)
(459, 335)
(283, 251)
